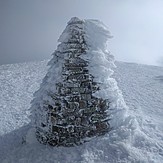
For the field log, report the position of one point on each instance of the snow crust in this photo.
(101, 63)
(139, 139)
(97, 34)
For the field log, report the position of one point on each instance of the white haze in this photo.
(29, 29)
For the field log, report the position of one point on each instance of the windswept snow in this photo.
(143, 93)
(139, 138)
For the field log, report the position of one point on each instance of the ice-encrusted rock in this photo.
(77, 95)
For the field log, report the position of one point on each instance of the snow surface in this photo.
(138, 139)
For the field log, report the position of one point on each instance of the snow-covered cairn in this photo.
(72, 104)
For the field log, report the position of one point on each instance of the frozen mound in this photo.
(78, 98)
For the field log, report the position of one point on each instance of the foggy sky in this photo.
(29, 29)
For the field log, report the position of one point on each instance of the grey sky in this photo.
(29, 29)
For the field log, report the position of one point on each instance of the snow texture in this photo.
(138, 140)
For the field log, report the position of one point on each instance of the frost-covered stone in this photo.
(72, 104)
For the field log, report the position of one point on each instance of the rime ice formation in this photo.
(73, 102)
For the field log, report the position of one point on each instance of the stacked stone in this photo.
(77, 114)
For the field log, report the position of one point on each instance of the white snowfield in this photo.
(138, 139)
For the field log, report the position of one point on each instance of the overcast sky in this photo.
(29, 29)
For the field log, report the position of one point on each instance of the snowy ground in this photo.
(139, 140)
